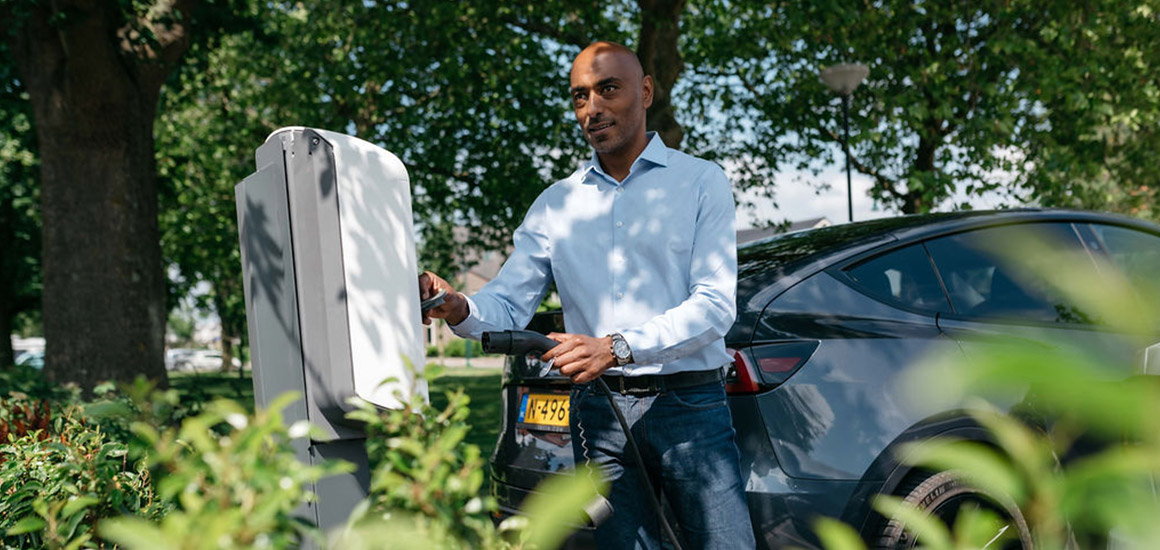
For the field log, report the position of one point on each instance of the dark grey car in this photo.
(828, 319)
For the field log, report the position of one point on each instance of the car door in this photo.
(872, 319)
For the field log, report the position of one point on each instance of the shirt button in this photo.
(619, 224)
(619, 189)
(619, 295)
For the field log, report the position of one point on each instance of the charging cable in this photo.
(523, 342)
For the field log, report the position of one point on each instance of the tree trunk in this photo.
(227, 350)
(94, 96)
(914, 201)
(8, 292)
(229, 329)
(7, 357)
(660, 31)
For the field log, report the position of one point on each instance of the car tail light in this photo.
(763, 366)
(741, 378)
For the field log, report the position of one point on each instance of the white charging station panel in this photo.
(380, 268)
(332, 294)
(328, 250)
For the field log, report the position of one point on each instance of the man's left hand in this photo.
(579, 357)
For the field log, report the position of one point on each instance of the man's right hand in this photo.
(454, 308)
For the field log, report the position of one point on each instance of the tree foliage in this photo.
(968, 97)
(471, 96)
(1097, 82)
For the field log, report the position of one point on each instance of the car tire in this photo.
(943, 494)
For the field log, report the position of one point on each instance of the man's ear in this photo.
(646, 88)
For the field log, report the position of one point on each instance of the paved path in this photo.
(487, 361)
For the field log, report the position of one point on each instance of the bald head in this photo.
(610, 95)
(610, 52)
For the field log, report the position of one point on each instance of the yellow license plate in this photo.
(545, 409)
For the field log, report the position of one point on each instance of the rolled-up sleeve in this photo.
(706, 315)
(509, 301)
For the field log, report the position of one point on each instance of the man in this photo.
(641, 244)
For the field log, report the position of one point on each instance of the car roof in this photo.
(770, 266)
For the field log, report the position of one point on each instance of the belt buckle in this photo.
(640, 391)
(648, 386)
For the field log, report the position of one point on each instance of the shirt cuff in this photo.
(636, 344)
(471, 327)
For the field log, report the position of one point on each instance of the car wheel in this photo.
(943, 495)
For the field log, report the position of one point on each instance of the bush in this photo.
(426, 482)
(421, 465)
(233, 480)
(138, 470)
(61, 474)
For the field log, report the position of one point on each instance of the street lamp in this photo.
(842, 80)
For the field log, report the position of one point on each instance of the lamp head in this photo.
(844, 78)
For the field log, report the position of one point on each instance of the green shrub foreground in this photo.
(137, 469)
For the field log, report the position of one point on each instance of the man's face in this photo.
(609, 97)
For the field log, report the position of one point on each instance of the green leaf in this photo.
(136, 534)
(558, 505)
(25, 525)
(78, 504)
(836, 535)
(929, 530)
(978, 464)
(107, 409)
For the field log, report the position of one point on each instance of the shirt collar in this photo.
(655, 152)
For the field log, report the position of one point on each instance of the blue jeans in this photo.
(689, 447)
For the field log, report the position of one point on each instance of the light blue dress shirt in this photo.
(653, 257)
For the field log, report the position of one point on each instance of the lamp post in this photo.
(843, 79)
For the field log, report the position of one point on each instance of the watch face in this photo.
(620, 348)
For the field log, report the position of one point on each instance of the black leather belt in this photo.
(649, 384)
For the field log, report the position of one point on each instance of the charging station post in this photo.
(332, 301)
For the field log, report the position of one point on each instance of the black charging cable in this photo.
(523, 342)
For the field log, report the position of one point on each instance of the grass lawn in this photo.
(207, 386)
(482, 385)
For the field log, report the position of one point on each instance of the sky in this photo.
(797, 200)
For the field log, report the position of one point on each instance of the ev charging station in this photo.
(332, 298)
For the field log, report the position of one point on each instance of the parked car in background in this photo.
(828, 320)
(201, 360)
(175, 358)
(31, 358)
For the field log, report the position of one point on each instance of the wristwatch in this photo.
(620, 350)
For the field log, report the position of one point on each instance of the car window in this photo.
(902, 277)
(986, 277)
(1137, 254)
